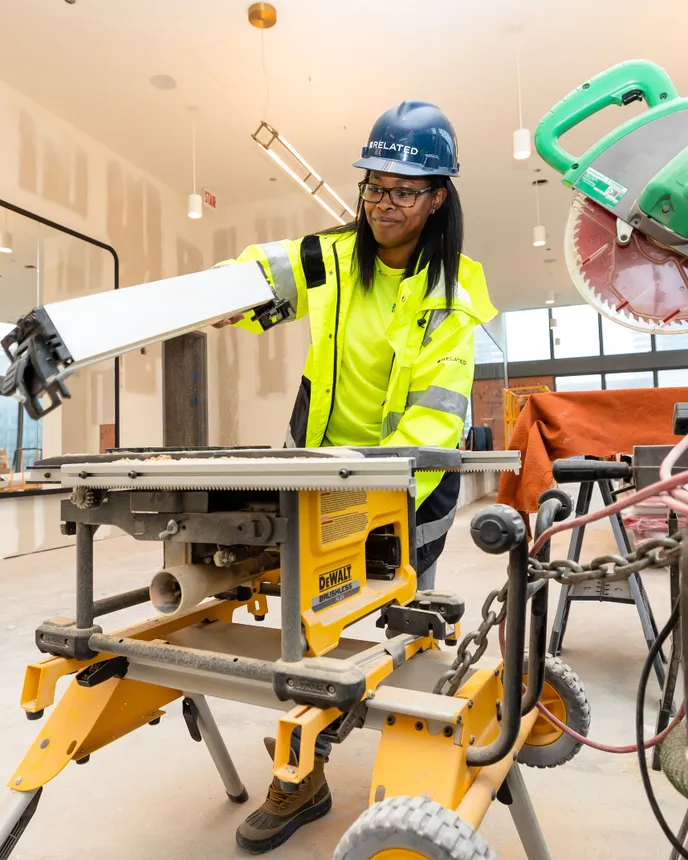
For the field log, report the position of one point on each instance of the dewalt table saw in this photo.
(330, 532)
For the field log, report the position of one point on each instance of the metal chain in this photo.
(655, 553)
(464, 658)
(658, 552)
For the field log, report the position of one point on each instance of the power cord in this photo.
(640, 731)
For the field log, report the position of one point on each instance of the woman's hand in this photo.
(230, 321)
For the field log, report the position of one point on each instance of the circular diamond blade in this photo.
(642, 285)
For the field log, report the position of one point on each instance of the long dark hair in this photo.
(438, 248)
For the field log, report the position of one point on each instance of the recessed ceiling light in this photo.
(71, 2)
(273, 179)
(163, 82)
(29, 266)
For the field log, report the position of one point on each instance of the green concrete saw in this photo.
(627, 234)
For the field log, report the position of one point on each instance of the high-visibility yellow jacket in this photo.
(432, 371)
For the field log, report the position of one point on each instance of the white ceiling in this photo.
(332, 68)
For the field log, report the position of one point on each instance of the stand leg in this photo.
(218, 751)
(564, 606)
(559, 625)
(290, 580)
(637, 592)
(682, 837)
(524, 817)
(84, 575)
(666, 703)
(15, 813)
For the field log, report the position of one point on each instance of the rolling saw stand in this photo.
(332, 533)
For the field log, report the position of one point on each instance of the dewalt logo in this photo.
(333, 578)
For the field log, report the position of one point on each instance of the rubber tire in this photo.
(571, 689)
(477, 439)
(416, 824)
(672, 755)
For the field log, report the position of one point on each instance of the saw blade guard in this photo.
(642, 284)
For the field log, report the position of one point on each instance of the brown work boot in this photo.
(284, 812)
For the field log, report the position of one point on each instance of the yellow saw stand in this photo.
(332, 533)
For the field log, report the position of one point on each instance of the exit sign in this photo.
(209, 199)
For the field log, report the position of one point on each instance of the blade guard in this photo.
(642, 285)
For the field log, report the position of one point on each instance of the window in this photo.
(584, 382)
(632, 379)
(671, 341)
(618, 340)
(486, 350)
(576, 333)
(468, 423)
(9, 428)
(672, 378)
(527, 335)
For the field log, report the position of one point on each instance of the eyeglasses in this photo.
(405, 198)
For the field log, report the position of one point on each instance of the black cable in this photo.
(640, 730)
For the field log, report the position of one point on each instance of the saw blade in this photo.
(642, 285)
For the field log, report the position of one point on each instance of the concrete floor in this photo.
(155, 794)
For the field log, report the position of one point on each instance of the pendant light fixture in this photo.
(195, 201)
(539, 231)
(522, 145)
(5, 239)
(271, 142)
(264, 16)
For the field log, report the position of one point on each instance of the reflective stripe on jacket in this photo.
(432, 372)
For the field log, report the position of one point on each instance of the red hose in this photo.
(631, 748)
(653, 490)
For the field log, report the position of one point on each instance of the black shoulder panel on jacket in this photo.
(312, 262)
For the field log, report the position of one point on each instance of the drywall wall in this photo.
(50, 168)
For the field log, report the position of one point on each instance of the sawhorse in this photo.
(622, 591)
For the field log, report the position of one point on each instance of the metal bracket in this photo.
(95, 674)
(37, 355)
(338, 731)
(412, 620)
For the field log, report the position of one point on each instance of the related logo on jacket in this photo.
(383, 146)
(451, 358)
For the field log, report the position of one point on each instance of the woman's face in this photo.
(394, 226)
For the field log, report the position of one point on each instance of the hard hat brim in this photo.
(400, 168)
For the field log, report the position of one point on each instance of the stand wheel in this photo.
(411, 828)
(564, 696)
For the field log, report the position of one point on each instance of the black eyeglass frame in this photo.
(415, 191)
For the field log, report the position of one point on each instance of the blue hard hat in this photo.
(413, 139)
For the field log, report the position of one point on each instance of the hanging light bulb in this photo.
(522, 137)
(539, 231)
(195, 201)
(5, 239)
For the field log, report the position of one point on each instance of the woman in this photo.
(393, 306)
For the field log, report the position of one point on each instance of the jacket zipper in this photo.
(336, 333)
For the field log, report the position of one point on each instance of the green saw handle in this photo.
(619, 85)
